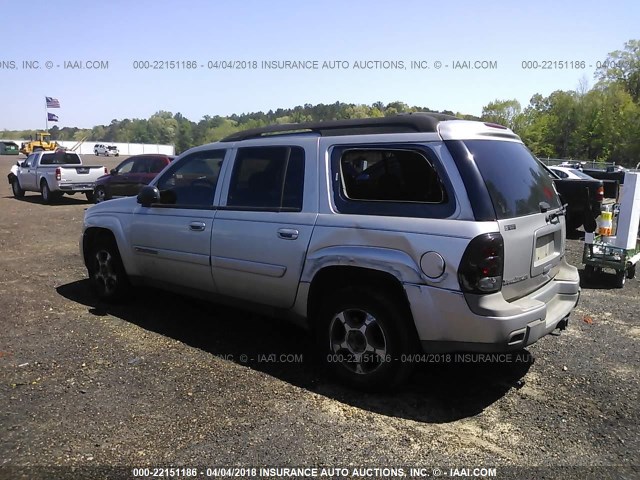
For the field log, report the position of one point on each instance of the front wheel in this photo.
(99, 195)
(18, 192)
(363, 337)
(106, 272)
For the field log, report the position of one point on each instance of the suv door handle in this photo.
(197, 226)
(288, 233)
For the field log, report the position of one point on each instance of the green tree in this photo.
(503, 112)
(622, 67)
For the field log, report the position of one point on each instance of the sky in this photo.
(499, 46)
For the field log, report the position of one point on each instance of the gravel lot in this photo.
(168, 381)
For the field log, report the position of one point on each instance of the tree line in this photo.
(601, 123)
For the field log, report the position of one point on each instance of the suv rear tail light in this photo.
(58, 174)
(106, 172)
(600, 193)
(482, 264)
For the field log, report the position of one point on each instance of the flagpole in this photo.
(46, 116)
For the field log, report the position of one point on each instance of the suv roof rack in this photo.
(403, 123)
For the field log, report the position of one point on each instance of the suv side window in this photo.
(396, 180)
(127, 166)
(30, 160)
(192, 181)
(141, 165)
(267, 178)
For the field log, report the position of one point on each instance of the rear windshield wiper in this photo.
(557, 214)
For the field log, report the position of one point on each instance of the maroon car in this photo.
(130, 176)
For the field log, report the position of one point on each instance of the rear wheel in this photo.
(106, 272)
(631, 272)
(621, 278)
(90, 197)
(18, 192)
(46, 192)
(362, 337)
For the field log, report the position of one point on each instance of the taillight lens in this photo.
(106, 171)
(482, 264)
(58, 174)
(600, 193)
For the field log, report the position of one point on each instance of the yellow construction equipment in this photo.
(42, 142)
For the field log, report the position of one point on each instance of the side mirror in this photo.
(113, 171)
(148, 196)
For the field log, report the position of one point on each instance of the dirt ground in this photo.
(169, 381)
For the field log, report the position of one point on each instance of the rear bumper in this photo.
(77, 187)
(446, 321)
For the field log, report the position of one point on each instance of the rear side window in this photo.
(141, 165)
(157, 164)
(516, 181)
(267, 178)
(390, 175)
(403, 180)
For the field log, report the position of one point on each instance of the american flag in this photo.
(52, 102)
(51, 117)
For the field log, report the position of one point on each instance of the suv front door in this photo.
(172, 239)
(263, 227)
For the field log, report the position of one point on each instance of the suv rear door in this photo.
(262, 229)
(526, 206)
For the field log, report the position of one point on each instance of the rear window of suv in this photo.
(516, 181)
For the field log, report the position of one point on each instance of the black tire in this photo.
(18, 192)
(389, 333)
(100, 194)
(621, 278)
(107, 275)
(631, 272)
(589, 272)
(90, 197)
(573, 222)
(47, 196)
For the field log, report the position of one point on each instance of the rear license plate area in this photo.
(545, 247)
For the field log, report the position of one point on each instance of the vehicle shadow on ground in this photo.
(440, 391)
(77, 199)
(575, 234)
(598, 281)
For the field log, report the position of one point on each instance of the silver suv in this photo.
(106, 150)
(385, 237)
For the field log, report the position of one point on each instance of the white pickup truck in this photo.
(54, 174)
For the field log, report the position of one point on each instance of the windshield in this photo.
(517, 182)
